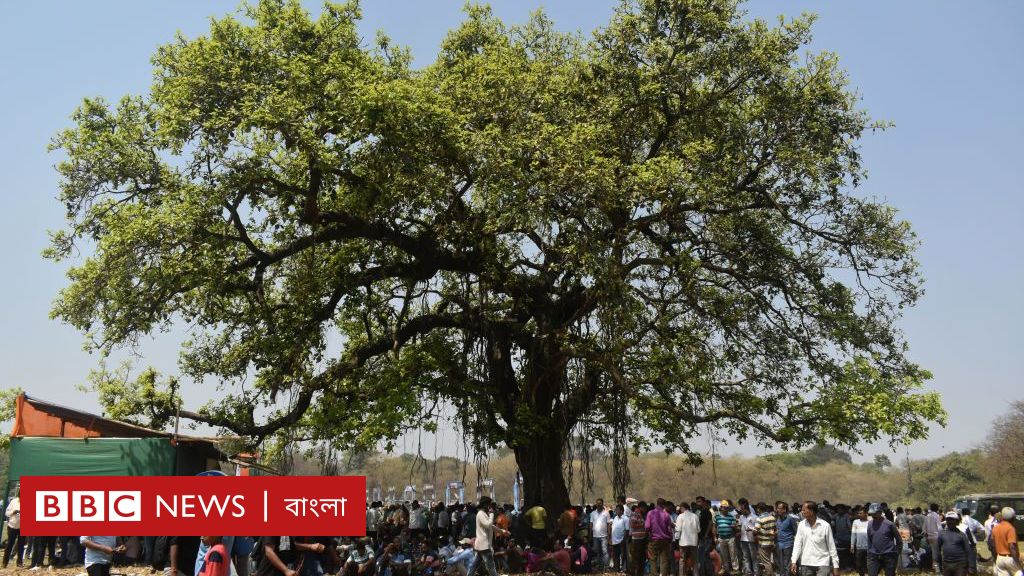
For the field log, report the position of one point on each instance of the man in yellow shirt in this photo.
(537, 520)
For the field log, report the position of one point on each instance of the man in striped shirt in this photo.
(727, 527)
(764, 531)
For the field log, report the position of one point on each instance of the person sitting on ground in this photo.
(534, 560)
(394, 561)
(427, 561)
(581, 562)
(458, 564)
(558, 560)
(515, 557)
(360, 559)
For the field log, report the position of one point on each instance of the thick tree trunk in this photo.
(540, 462)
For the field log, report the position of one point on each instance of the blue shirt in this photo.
(883, 538)
(786, 531)
(95, 556)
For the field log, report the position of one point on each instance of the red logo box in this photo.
(193, 505)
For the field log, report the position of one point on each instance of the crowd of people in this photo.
(660, 538)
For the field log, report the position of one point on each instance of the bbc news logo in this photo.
(191, 505)
(88, 506)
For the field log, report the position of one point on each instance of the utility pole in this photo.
(910, 478)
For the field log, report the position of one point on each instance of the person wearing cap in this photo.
(458, 563)
(884, 543)
(1004, 540)
(814, 548)
(727, 527)
(953, 547)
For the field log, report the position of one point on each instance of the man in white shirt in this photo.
(688, 529)
(620, 527)
(14, 536)
(417, 520)
(973, 529)
(748, 544)
(373, 518)
(484, 544)
(599, 521)
(814, 548)
(859, 540)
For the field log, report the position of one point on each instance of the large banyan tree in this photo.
(631, 237)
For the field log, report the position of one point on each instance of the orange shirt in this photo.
(1003, 534)
(502, 521)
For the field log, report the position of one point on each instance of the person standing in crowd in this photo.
(884, 543)
(916, 529)
(903, 521)
(537, 521)
(953, 547)
(765, 532)
(227, 541)
(786, 533)
(705, 538)
(932, 523)
(41, 546)
(1004, 543)
(417, 520)
(748, 544)
(180, 552)
(484, 543)
(638, 537)
(372, 520)
(659, 526)
(688, 527)
(994, 514)
(99, 552)
(974, 530)
(217, 561)
(814, 548)
(275, 557)
(599, 521)
(727, 527)
(859, 540)
(15, 541)
(842, 525)
(567, 522)
(620, 529)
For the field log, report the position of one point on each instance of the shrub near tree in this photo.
(626, 237)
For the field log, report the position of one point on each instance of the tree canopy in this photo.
(631, 238)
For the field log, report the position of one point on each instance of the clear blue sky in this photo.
(949, 74)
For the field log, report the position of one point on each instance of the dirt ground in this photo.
(75, 571)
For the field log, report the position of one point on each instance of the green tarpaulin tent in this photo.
(91, 457)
